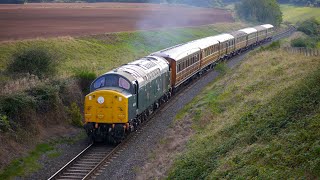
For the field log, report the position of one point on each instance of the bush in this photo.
(13, 105)
(222, 68)
(299, 42)
(304, 42)
(75, 115)
(4, 123)
(310, 27)
(273, 46)
(46, 97)
(85, 77)
(37, 60)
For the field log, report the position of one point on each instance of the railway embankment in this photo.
(259, 120)
(38, 113)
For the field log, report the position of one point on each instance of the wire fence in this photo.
(303, 51)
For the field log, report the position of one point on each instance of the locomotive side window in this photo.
(99, 83)
(124, 83)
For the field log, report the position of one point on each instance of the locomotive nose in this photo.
(106, 106)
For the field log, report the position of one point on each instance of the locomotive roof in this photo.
(142, 70)
(268, 26)
(248, 30)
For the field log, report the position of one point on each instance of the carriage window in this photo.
(124, 83)
(99, 83)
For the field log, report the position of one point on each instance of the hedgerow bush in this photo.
(304, 42)
(85, 77)
(38, 61)
(14, 104)
(45, 96)
(310, 27)
(4, 123)
(75, 115)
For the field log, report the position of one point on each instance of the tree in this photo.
(263, 11)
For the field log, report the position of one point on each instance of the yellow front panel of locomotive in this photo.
(106, 106)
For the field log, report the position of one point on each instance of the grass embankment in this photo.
(34, 106)
(101, 53)
(296, 14)
(260, 120)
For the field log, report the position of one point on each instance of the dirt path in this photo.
(77, 19)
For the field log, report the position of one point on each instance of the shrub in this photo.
(222, 68)
(13, 105)
(37, 60)
(273, 46)
(85, 77)
(75, 115)
(4, 123)
(45, 96)
(299, 42)
(310, 27)
(304, 42)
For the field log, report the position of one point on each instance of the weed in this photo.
(4, 123)
(85, 77)
(25, 165)
(222, 68)
(75, 115)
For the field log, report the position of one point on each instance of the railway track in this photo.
(91, 162)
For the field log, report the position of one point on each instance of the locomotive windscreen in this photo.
(112, 80)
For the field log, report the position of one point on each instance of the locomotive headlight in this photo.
(100, 100)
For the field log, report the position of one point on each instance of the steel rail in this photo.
(69, 163)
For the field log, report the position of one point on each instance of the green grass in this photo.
(28, 164)
(25, 165)
(101, 53)
(260, 120)
(296, 14)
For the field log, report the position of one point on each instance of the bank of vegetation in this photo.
(259, 120)
(44, 81)
(307, 21)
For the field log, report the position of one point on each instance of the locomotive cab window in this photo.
(99, 83)
(112, 80)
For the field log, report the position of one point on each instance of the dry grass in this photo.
(162, 158)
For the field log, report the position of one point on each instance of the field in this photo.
(77, 19)
(296, 14)
(100, 53)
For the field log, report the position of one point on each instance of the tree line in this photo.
(262, 11)
(301, 2)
